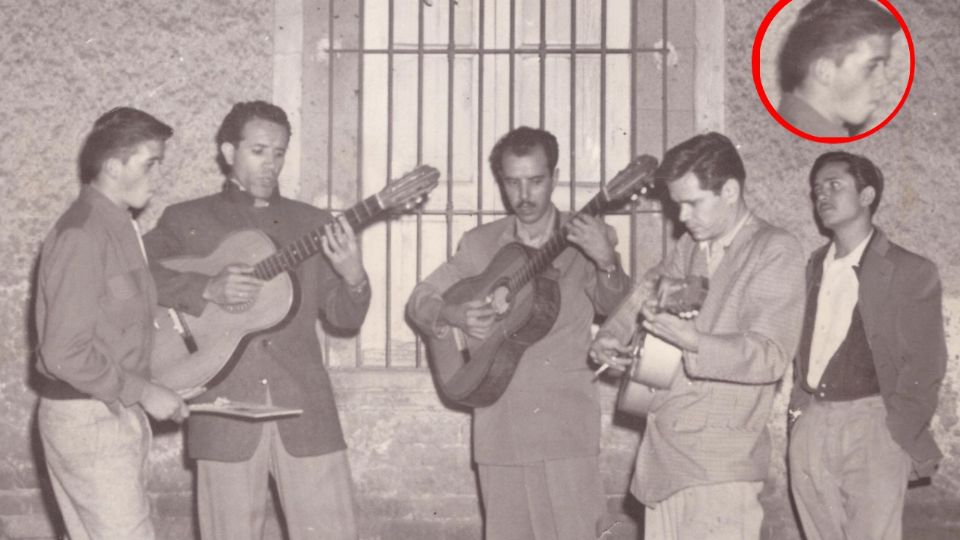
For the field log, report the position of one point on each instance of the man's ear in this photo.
(111, 167)
(822, 71)
(228, 150)
(555, 179)
(867, 196)
(730, 190)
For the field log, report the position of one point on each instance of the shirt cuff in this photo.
(131, 389)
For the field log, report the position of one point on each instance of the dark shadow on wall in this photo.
(34, 379)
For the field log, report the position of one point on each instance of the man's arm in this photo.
(769, 324)
(920, 329)
(72, 275)
(180, 290)
(425, 304)
(607, 283)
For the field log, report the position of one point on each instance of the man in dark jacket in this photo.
(871, 359)
(306, 454)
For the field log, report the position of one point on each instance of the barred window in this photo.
(380, 86)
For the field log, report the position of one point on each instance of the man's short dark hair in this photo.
(117, 134)
(829, 29)
(864, 173)
(231, 129)
(711, 157)
(522, 141)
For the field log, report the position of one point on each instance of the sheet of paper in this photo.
(241, 409)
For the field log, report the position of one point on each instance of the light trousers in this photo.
(96, 457)
(847, 475)
(316, 494)
(727, 511)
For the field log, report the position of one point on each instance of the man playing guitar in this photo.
(706, 448)
(306, 454)
(537, 445)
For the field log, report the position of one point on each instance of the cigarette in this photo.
(596, 374)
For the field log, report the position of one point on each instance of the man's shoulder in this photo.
(193, 205)
(79, 215)
(303, 209)
(488, 231)
(908, 259)
(775, 236)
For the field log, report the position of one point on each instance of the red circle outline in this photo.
(761, 32)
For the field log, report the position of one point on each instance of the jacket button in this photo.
(266, 343)
(263, 381)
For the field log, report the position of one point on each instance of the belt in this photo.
(57, 389)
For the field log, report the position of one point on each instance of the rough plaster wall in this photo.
(63, 63)
(917, 153)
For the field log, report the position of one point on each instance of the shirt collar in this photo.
(104, 206)
(528, 238)
(724, 241)
(850, 260)
(238, 194)
(802, 116)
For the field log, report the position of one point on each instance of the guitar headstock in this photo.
(408, 191)
(637, 177)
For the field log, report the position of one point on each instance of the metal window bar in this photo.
(543, 51)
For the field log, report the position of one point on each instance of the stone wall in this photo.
(917, 153)
(63, 63)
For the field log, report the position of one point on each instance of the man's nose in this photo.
(524, 190)
(684, 213)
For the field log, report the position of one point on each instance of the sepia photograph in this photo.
(479, 270)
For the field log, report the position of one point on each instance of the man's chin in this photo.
(529, 218)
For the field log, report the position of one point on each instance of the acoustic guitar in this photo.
(475, 372)
(189, 352)
(655, 362)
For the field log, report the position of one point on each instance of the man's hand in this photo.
(340, 246)
(163, 404)
(592, 236)
(681, 332)
(475, 317)
(608, 350)
(233, 285)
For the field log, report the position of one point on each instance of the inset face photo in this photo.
(833, 71)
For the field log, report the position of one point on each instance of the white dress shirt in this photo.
(839, 291)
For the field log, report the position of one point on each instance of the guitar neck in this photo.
(308, 245)
(553, 248)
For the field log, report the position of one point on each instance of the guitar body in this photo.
(653, 370)
(218, 331)
(476, 373)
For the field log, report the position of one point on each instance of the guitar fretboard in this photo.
(557, 243)
(308, 245)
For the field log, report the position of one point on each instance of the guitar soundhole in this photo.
(238, 308)
(500, 299)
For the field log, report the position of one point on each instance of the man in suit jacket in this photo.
(871, 359)
(537, 446)
(306, 454)
(706, 449)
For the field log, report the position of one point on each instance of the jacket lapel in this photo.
(725, 274)
(875, 272)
